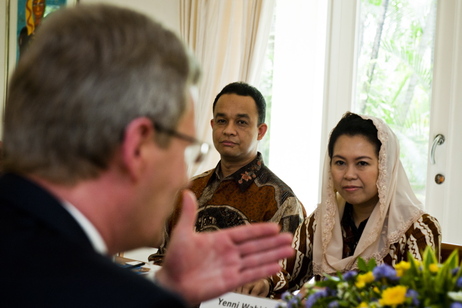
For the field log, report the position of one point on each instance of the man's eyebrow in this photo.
(239, 115)
(243, 115)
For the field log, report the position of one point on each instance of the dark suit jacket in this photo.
(46, 259)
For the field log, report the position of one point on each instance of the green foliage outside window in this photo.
(394, 75)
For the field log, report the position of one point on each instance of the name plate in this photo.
(235, 300)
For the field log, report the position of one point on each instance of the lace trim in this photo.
(384, 191)
(331, 210)
(381, 185)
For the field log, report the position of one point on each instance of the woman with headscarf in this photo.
(367, 209)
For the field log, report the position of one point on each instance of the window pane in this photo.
(266, 88)
(394, 75)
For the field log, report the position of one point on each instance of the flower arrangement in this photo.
(414, 283)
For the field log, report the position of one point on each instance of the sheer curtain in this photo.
(229, 38)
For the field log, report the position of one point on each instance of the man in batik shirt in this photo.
(240, 189)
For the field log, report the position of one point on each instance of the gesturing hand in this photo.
(202, 266)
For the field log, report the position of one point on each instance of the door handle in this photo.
(438, 140)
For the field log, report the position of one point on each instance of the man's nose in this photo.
(229, 129)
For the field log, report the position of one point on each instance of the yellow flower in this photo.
(433, 268)
(362, 305)
(364, 279)
(402, 267)
(367, 277)
(393, 296)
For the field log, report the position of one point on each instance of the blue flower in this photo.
(313, 298)
(350, 276)
(327, 292)
(459, 282)
(293, 302)
(456, 305)
(455, 271)
(384, 271)
(414, 296)
(330, 292)
(290, 300)
(286, 295)
(333, 304)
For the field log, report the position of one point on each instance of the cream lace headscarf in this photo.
(397, 209)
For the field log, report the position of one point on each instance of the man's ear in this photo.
(262, 131)
(212, 123)
(139, 135)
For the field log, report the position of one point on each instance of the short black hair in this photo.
(352, 124)
(244, 89)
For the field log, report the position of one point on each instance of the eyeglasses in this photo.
(195, 152)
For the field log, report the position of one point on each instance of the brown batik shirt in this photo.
(251, 194)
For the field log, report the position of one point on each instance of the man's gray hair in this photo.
(90, 70)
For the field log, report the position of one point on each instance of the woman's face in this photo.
(354, 169)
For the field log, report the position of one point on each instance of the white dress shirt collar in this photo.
(95, 237)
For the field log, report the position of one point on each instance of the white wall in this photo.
(164, 11)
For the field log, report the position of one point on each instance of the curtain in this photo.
(229, 39)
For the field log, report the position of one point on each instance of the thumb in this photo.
(188, 213)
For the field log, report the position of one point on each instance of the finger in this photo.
(238, 290)
(188, 213)
(265, 243)
(256, 289)
(253, 273)
(245, 289)
(250, 232)
(267, 256)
